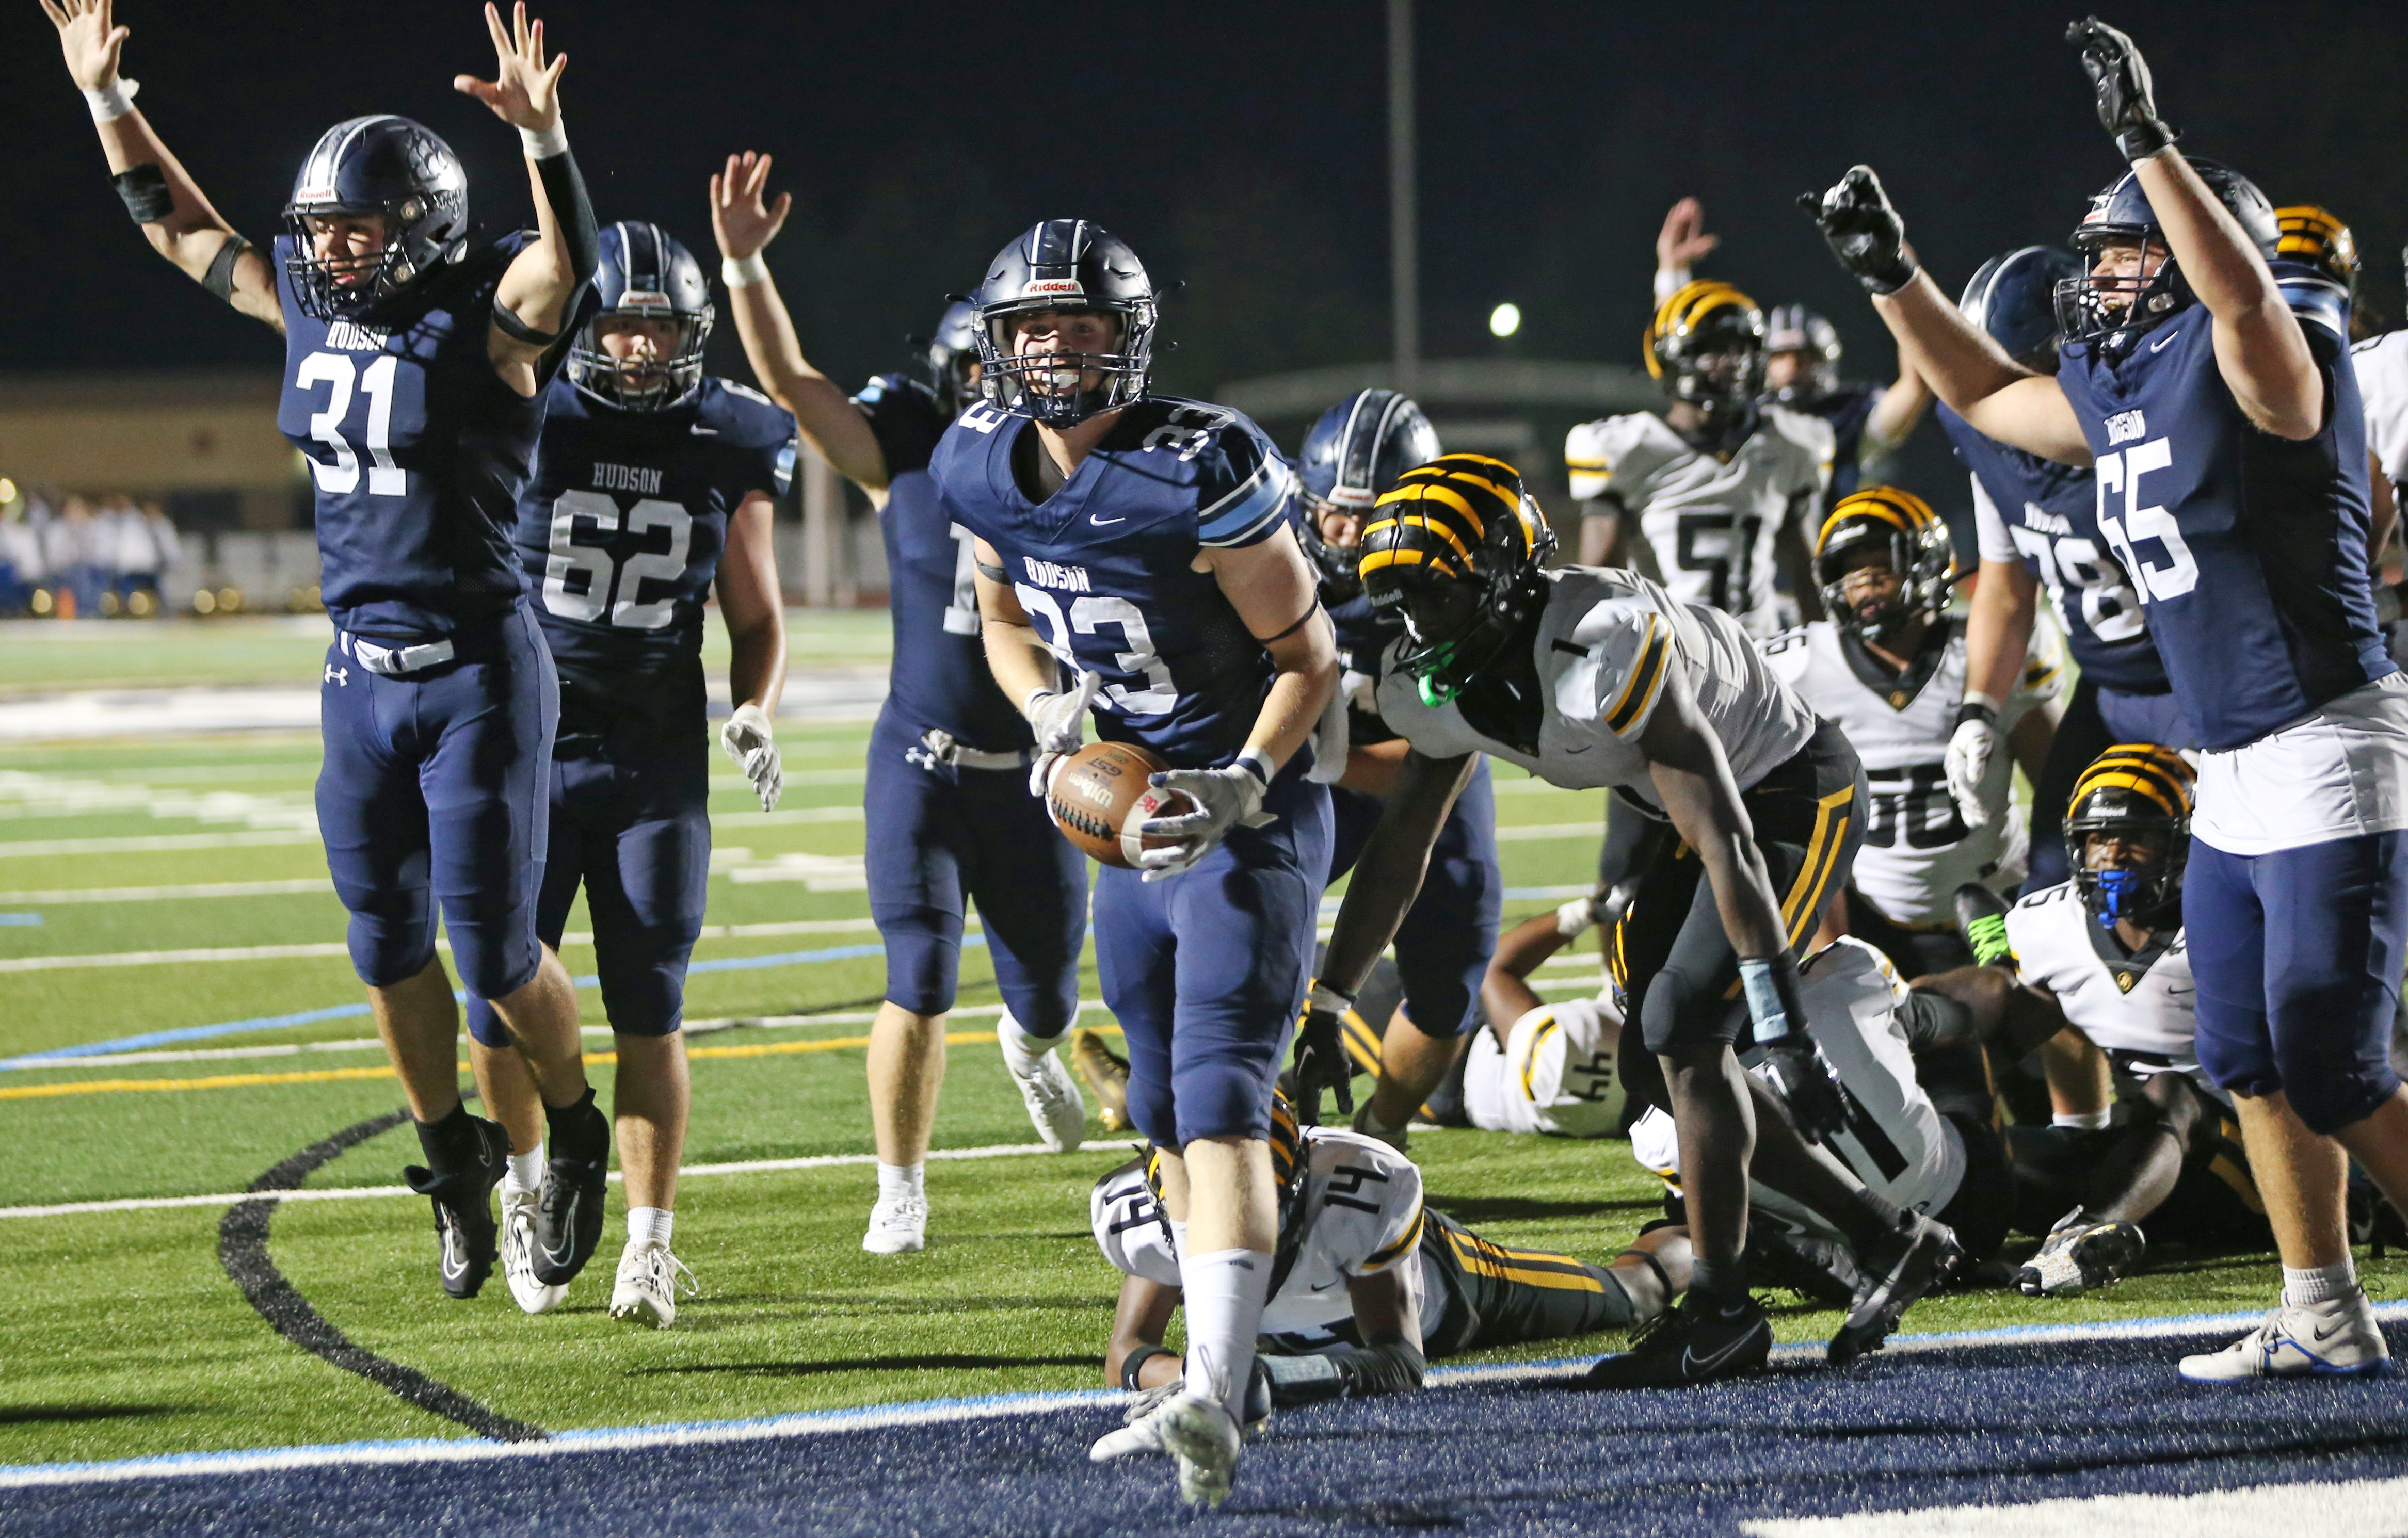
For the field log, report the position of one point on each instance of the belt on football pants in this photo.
(946, 750)
(395, 662)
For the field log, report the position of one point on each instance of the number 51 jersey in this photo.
(622, 528)
(1106, 566)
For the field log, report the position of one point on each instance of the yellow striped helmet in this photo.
(1706, 346)
(1913, 542)
(2310, 233)
(1455, 550)
(2139, 792)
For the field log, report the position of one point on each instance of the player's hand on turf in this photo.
(2119, 80)
(1225, 799)
(1059, 720)
(90, 39)
(1682, 242)
(1321, 1060)
(1806, 1087)
(524, 91)
(1863, 230)
(1970, 747)
(741, 218)
(747, 738)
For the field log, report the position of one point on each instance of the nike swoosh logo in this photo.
(2324, 1335)
(455, 1259)
(2161, 345)
(1691, 1363)
(701, 432)
(1102, 522)
(568, 1226)
(1326, 1286)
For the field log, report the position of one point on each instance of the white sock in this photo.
(1022, 1052)
(2336, 1283)
(1224, 1293)
(2087, 1121)
(1178, 1239)
(650, 1225)
(897, 1181)
(525, 1173)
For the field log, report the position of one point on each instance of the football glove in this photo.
(1779, 1020)
(2119, 79)
(1970, 747)
(1863, 230)
(1321, 1060)
(1394, 1366)
(1059, 720)
(1225, 799)
(748, 739)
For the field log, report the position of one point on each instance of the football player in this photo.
(416, 361)
(654, 483)
(1146, 543)
(1598, 679)
(2103, 955)
(2213, 395)
(1416, 1284)
(2037, 526)
(1719, 485)
(1541, 1067)
(949, 757)
(1889, 668)
(1354, 452)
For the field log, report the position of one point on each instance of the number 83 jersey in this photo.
(1106, 566)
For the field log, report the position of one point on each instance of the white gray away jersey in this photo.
(2145, 1005)
(2382, 385)
(1917, 850)
(1710, 520)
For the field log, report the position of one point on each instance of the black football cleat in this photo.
(1815, 1265)
(464, 1209)
(568, 1220)
(1919, 1257)
(1982, 918)
(1697, 1343)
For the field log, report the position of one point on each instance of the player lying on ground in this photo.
(426, 355)
(2213, 393)
(654, 483)
(2103, 956)
(1417, 1285)
(945, 797)
(1594, 679)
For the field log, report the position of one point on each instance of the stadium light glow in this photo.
(1505, 319)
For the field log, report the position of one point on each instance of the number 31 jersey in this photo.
(1711, 518)
(620, 530)
(1105, 566)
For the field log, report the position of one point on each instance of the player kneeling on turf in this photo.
(1417, 1285)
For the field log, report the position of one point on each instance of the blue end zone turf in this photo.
(2000, 1418)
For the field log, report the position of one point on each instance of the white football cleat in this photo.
(1051, 1096)
(1199, 1433)
(2337, 1338)
(518, 1253)
(646, 1291)
(897, 1225)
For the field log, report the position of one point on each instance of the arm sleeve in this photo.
(1990, 527)
(1243, 496)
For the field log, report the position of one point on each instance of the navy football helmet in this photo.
(645, 275)
(2142, 793)
(385, 166)
(2013, 298)
(1794, 328)
(2121, 309)
(1356, 452)
(1064, 264)
(951, 354)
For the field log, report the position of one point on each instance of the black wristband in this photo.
(1970, 711)
(144, 189)
(1135, 1361)
(219, 279)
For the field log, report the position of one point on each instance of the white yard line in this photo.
(338, 947)
(158, 844)
(152, 894)
(2363, 1508)
(1533, 831)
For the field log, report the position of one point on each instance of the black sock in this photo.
(451, 1143)
(1876, 1223)
(577, 1129)
(1721, 1286)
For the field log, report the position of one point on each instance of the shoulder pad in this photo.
(2314, 298)
(1595, 452)
(1243, 486)
(1806, 431)
(1632, 647)
(751, 418)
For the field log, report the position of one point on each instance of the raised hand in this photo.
(1863, 230)
(1682, 242)
(2119, 80)
(742, 221)
(90, 39)
(524, 91)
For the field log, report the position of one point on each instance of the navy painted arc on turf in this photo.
(347, 1011)
(242, 1249)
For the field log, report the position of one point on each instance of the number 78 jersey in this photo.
(1106, 566)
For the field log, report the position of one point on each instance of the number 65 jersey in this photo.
(1106, 566)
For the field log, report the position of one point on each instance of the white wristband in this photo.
(1974, 696)
(544, 143)
(113, 100)
(1257, 763)
(742, 272)
(1575, 916)
(1328, 998)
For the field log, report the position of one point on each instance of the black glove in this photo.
(1864, 232)
(1805, 1085)
(1321, 1060)
(2120, 79)
(1345, 1372)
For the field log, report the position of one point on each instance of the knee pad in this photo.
(2328, 1101)
(643, 986)
(391, 935)
(924, 959)
(1679, 1013)
(496, 958)
(485, 1025)
(1222, 1097)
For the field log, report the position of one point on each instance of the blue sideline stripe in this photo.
(19, 920)
(346, 1011)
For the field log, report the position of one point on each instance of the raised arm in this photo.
(176, 218)
(1505, 993)
(538, 296)
(1894, 416)
(745, 224)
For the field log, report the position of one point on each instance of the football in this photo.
(1101, 795)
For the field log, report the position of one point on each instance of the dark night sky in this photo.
(1239, 146)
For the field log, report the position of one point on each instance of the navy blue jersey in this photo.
(1105, 566)
(1847, 410)
(621, 529)
(2051, 512)
(2250, 549)
(418, 447)
(940, 678)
